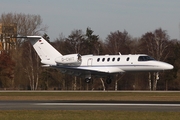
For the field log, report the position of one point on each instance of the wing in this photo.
(102, 69)
(80, 71)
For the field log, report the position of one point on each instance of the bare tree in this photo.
(118, 42)
(27, 24)
(75, 42)
(156, 45)
(31, 65)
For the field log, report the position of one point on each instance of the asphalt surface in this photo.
(91, 105)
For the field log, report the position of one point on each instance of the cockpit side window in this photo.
(145, 58)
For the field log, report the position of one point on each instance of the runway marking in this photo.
(104, 104)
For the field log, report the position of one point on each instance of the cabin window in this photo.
(108, 59)
(98, 59)
(103, 59)
(127, 59)
(113, 59)
(145, 58)
(118, 59)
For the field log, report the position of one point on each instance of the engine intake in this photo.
(71, 60)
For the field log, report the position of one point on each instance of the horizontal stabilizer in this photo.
(45, 65)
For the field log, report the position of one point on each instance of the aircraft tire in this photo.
(87, 80)
(108, 81)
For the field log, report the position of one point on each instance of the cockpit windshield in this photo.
(145, 58)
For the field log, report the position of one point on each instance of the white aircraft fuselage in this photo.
(87, 65)
(123, 63)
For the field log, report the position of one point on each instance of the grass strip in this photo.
(86, 115)
(124, 96)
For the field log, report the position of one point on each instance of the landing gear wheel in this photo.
(108, 81)
(87, 80)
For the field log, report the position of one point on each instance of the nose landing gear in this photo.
(87, 80)
(108, 80)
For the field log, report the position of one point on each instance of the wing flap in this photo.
(102, 69)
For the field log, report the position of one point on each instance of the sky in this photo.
(103, 16)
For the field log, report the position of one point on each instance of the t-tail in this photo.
(46, 52)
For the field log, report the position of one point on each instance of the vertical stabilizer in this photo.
(46, 52)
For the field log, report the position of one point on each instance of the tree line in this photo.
(22, 68)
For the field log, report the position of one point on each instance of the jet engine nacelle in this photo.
(71, 59)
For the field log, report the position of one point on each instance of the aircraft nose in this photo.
(168, 66)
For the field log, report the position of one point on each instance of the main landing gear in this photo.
(108, 80)
(87, 80)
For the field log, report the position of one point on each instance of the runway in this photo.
(91, 105)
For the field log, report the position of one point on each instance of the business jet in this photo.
(98, 65)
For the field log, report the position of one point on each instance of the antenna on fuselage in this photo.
(119, 53)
